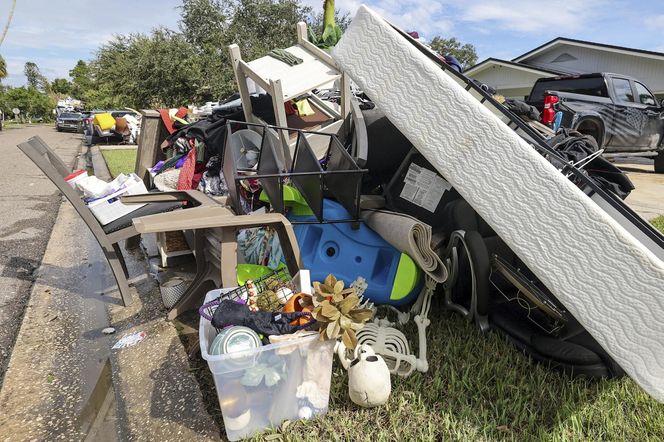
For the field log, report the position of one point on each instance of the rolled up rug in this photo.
(410, 236)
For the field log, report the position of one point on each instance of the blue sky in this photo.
(56, 33)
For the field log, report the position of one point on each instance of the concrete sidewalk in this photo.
(60, 351)
(65, 383)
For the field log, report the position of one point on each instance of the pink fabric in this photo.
(166, 119)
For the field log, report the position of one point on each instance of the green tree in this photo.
(257, 26)
(31, 71)
(35, 78)
(191, 65)
(203, 22)
(61, 86)
(81, 79)
(139, 70)
(465, 53)
(31, 102)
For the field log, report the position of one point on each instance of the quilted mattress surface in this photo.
(606, 278)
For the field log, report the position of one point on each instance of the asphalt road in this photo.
(29, 204)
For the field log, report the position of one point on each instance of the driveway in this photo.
(28, 207)
(648, 197)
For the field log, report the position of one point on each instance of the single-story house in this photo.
(565, 56)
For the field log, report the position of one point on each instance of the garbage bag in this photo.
(94, 188)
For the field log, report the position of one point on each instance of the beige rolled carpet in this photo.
(410, 236)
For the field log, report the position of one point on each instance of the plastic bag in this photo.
(94, 188)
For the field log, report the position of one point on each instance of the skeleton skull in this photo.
(369, 383)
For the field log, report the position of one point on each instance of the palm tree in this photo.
(3, 64)
(9, 20)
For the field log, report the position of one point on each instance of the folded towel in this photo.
(285, 56)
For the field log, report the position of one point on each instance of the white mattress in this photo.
(607, 279)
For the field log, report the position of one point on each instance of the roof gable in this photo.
(587, 44)
(485, 64)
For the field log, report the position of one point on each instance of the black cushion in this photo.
(565, 352)
(148, 209)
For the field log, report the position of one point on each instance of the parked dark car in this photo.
(69, 121)
(618, 111)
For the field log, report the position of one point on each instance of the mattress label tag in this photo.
(424, 187)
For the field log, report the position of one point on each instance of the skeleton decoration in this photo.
(360, 285)
(392, 344)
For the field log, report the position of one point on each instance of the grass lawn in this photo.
(658, 223)
(120, 160)
(6, 125)
(478, 387)
(11, 124)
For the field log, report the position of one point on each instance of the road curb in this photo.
(52, 386)
(118, 146)
(98, 163)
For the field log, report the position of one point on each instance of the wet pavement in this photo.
(28, 207)
(64, 382)
(50, 387)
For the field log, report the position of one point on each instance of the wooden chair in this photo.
(110, 235)
(284, 83)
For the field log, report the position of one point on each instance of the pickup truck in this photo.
(618, 111)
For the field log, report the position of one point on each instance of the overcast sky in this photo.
(56, 33)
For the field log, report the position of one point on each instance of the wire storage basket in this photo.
(275, 280)
(335, 175)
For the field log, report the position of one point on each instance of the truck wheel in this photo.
(659, 162)
(590, 127)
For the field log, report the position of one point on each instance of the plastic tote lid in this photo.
(75, 174)
(236, 339)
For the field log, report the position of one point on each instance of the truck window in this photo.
(594, 86)
(623, 90)
(645, 97)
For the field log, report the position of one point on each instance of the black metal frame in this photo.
(342, 178)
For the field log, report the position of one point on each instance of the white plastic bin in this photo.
(304, 367)
(76, 176)
(110, 208)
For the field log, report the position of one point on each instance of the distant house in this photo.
(564, 56)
